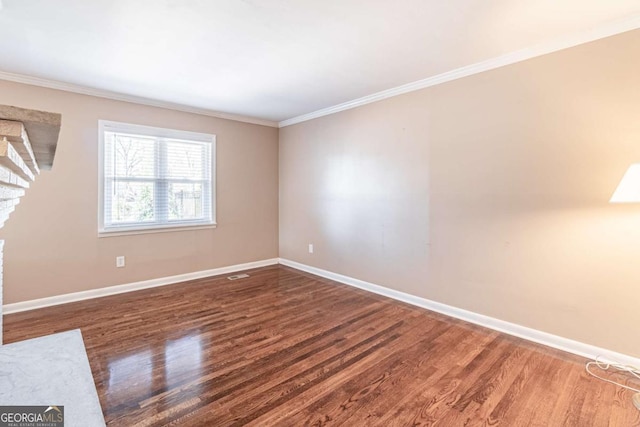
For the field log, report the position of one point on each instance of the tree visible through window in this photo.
(155, 177)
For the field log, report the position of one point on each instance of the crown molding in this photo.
(100, 93)
(566, 42)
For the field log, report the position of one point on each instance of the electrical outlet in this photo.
(310, 248)
(120, 261)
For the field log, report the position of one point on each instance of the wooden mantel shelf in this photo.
(39, 129)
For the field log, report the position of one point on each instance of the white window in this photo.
(154, 178)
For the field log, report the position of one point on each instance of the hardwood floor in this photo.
(287, 348)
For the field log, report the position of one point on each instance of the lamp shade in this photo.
(628, 190)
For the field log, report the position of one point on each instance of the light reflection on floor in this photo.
(140, 373)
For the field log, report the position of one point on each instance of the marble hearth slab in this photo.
(51, 370)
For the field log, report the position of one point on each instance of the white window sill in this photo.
(167, 229)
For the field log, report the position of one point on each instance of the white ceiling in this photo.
(276, 59)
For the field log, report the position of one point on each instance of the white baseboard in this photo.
(540, 337)
(119, 289)
(585, 350)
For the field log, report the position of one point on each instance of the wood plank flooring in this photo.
(290, 349)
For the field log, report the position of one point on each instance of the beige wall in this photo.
(51, 244)
(487, 193)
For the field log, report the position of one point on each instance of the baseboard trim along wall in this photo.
(129, 287)
(540, 337)
(565, 344)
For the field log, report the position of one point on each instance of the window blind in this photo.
(155, 178)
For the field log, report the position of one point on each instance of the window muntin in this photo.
(155, 178)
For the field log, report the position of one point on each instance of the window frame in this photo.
(155, 132)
